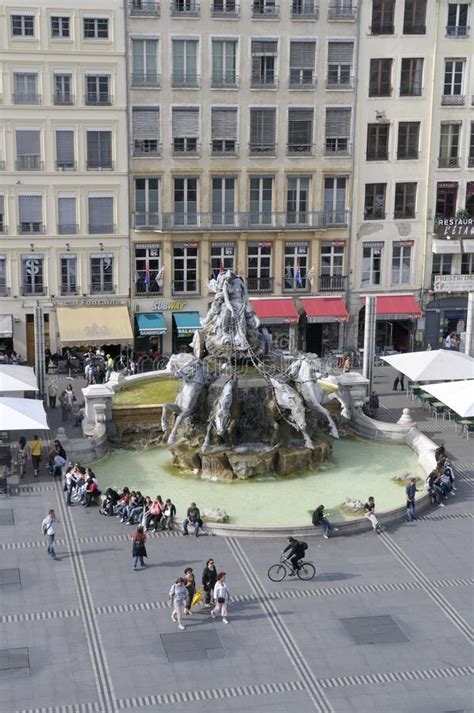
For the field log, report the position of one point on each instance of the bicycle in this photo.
(278, 572)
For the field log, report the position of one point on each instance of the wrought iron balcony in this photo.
(225, 8)
(453, 100)
(304, 10)
(407, 154)
(63, 99)
(412, 29)
(98, 99)
(222, 80)
(146, 148)
(185, 147)
(102, 229)
(188, 8)
(147, 221)
(470, 162)
(268, 80)
(69, 290)
(146, 79)
(404, 214)
(448, 162)
(37, 289)
(26, 98)
(185, 81)
(96, 166)
(337, 147)
(3, 229)
(102, 288)
(332, 283)
(382, 29)
(301, 78)
(339, 83)
(295, 283)
(29, 163)
(263, 149)
(224, 147)
(380, 154)
(265, 220)
(144, 8)
(31, 228)
(458, 31)
(342, 11)
(260, 284)
(65, 165)
(4, 290)
(300, 148)
(265, 9)
(142, 288)
(68, 229)
(185, 287)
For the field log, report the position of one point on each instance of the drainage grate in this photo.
(11, 659)
(374, 630)
(192, 646)
(10, 577)
(6, 516)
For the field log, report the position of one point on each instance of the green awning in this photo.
(150, 323)
(187, 322)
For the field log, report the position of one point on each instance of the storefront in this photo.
(280, 317)
(149, 330)
(108, 327)
(6, 335)
(446, 314)
(397, 317)
(324, 324)
(184, 326)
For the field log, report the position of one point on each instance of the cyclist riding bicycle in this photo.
(296, 551)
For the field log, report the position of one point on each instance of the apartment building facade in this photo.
(64, 236)
(240, 118)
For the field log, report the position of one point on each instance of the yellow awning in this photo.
(94, 325)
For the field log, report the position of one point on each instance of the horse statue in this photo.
(289, 400)
(220, 418)
(195, 377)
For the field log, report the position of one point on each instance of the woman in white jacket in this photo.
(221, 597)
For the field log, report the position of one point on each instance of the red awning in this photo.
(275, 311)
(397, 307)
(325, 309)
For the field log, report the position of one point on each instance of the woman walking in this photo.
(177, 596)
(138, 548)
(221, 597)
(190, 584)
(22, 456)
(209, 579)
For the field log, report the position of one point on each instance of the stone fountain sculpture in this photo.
(239, 414)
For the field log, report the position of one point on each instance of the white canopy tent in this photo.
(456, 395)
(17, 379)
(22, 415)
(435, 365)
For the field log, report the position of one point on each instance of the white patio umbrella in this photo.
(457, 395)
(17, 378)
(435, 365)
(22, 415)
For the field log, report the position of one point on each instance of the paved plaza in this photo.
(385, 627)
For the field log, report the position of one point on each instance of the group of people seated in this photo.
(440, 482)
(131, 507)
(80, 485)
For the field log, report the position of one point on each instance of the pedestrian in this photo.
(70, 483)
(70, 396)
(440, 452)
(36, 450)
(193, 517)
(65, 407)
(374, 404)
(346, 363)
(190, 584)
(138, 548)
(52, 393)
(22, 456)
(177, 596)
(369, 513)
(48, 527)
(169, 514)
(399, 379)
(209, 579)
(221, 597)
(319, 518)
(109, 367)
(410, 491)
(47, 357)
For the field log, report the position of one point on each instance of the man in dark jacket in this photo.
(193, 517)
(209, 579)
(296, 551)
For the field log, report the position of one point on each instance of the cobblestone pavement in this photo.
(386, 625)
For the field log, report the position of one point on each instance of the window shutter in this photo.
(30, 209)
(65, 146)
(146, 122)
(100, 211)
(340, 52)
(27, 142)
(300, 126)
(224, 123)
(138, 57)
(302, 55)
(151, 54)
(262, 126)
(338, 123)
(264, 47)
(99, 148)
(66, 211)
(185, 123)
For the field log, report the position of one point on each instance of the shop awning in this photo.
(187, 322)
(325, 309)
(397, 307)
(150, 323)
(468, 246)
(6, 325)
(94, 325)
(275, 311)
(449, 247)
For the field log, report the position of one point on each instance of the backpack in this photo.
(304, 545)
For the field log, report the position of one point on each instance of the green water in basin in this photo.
(356, 469)
(147, 393)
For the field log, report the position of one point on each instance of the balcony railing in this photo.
(37, 289)
(340, 83)
(332, 283)
(3, 229)
(27, 98)
(29, 163)
(268, 81)
(470, 162)
(145, 148)
(141, 287)
(95, 166)
(4, 290)
(304, 10)
(260, 284)
(380, 90)
(410, 29)
(266, 220)
(68, 229)
(179, 149)
(224, 147)
(103, 229)
(458, 31)
(222, 80)
(337, 147)
(30, 228)
(65, 165)
(301, 79)
(260, 149)
(188, 8)
(185, 287)
(147, 221)
(300, 149)
(101, 288)
(63, 99)
(145, 79)
(295, 284)
(404, 214)
(185, 81)
(265, 9)
(69, 290)
(453, 100)
(374, 213)
(144, 8)
(377, 155)
(408, 154)
(382, 29)
(344, 11)
(98, 100)
(225, 8)
(448, 162)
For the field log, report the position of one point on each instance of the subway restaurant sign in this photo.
(168, 306)
(454, 227)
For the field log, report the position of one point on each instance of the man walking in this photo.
(399, 379)
(109, 367)
(410, 491)
(178, 595)
(193, 517)
(48, 527)
(52, 393)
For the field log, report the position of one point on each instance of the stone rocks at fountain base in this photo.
(353, 505)
(217, 515)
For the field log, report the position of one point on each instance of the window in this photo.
(377, 142)
(302, 63)
(147, 270)
(222, 258)
(449, 145)
(296, 266)
(401, 263)
(264, 59)
(335, 200)
(453, 80)
(185, 268)
(414, 17)
(467, 264)
(2, 214)
(469, 205)
(3, 275)
(25, 86)
(28, 151)
(67, 215)
(471, 147)
(60, 27)
(405, 200)
(411, 78)
(32, 274)
(408, 139)
(340, 58)
(457, 20)
(146, 202)
(380, 80)
(442, 264)
(223, 201)
(265, 8)
(382, 17)
(338, 131)
(146, 131)
(62, 84)
(96, 28)
(185, 126)
(23, 26)
(185, 63)
(30, 210)
(223, 131)
(331, 264)
(145, 63)
(101, 215)
(224, 7)
(446, 198)
(99, 150)
(224, 63)
(68, 274)
(184, 7)
(185, 201)
(300, 132)
(65, 150)
(261, 200)
(259, 267)
(98, 90)
(262, 131)
(304, 8)
(374, 206)
(371, 263)
(102, 273)
(297, 200)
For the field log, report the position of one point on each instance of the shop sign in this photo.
(168, 306)
(404, 243)
(459, 227)
(90, 302)
(453, 283)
